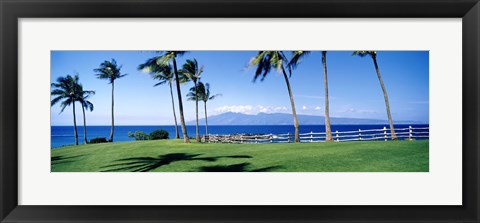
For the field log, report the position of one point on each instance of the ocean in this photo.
(63, 135)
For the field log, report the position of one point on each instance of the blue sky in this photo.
(354, 88)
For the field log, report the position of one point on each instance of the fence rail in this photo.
(384, 134)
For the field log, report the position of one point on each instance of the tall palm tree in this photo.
(67, 89)
(296, 58)
(192, 71)
(373, 55)
(205, 96)
(164, 59)
(109, 70)
(86, 104)
(265, 61)
(164, 73)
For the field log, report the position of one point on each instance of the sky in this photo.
(354, 89)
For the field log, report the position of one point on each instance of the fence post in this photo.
(360, 134)
(336, 132)
(410, 131)
(288, 137)
(311, 136)
(385, 133)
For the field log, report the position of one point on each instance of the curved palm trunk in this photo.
(113, 122)
(328, 131)
(85, 141)
(75, 124)
(174, 115)
(197, 133)
(295, 120)
(206, 118)
(180, 103)
(385, 95)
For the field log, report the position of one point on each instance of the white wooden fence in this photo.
(409, 133)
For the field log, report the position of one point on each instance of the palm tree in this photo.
(191, 70)
(67, 89)
(164, 59)
(164, 73)
(109, 70)
(265, 61)
(296, 58)
(205, 95)
(373, 55)
(86, 104)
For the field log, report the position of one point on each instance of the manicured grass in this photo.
(174, 156)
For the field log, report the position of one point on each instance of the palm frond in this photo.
(66, 103)
(67, 89)
(88, 105)
(147, 66)
(214, 96)
(164, 60)
(160, 83)
(179, 53)
(203, 91)
(196, 94)
(56, 100)
(297, 57)
(109, 70)
(191, 70)
(256, 60)
(58, 92)
(191, 96)
(363, 53)
(265, 61)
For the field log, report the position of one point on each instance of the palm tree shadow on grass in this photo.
(62, 159)
(241, 167)
(145, 164)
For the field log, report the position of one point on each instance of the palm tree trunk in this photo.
(75, 124)
(328, 131)
(197, 134)
(206, 118)
(180, 103)
(295, 120)
(84, 126)
(385, 95)
(113, 122)
(174, 115)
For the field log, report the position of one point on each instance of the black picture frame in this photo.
(12, 10)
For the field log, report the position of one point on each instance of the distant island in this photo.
(233, 118)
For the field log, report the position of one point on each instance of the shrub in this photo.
(98, 140)
(159, 134)
(138, 135)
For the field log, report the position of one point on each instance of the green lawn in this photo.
(174, 156)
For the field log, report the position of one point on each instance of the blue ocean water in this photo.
(63, 135)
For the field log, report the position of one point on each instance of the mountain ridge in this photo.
(234, 118)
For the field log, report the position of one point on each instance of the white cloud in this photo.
(352, 110)
(317, 108)
(280, 109)
(304, 107)
(235, 108)
(250, 109)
